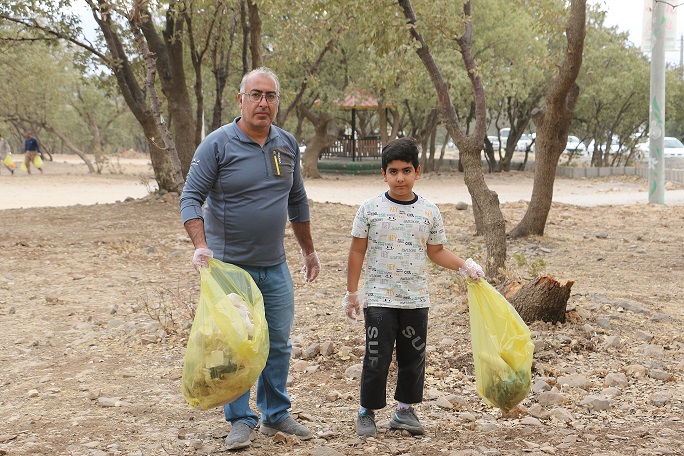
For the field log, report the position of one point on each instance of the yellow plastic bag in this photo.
(228, 344)
(502, 347)
(8, 161)
(38, 162)
(23, 166)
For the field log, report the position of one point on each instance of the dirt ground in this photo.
(96, 303)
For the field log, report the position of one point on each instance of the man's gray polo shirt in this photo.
(250, 192)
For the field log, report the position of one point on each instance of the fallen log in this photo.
(543, 298)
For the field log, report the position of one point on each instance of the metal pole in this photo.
(353, 134)
(656, 162)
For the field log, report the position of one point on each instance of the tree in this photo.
(58, 100)
(553, 124)
(486, 208)
(615, 90)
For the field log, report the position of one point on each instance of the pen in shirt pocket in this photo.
(275, 160)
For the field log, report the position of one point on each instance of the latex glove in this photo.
(352, 304)
(201, 258)
(312, 266)
(471, 269)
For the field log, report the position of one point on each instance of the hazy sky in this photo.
(628, 16)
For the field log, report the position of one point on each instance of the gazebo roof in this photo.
(360, 99)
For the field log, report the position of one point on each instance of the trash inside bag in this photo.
(502, 347)
(228, 344)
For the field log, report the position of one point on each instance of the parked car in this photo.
(672, 147)
(574, 145)
(503, 133)
(524, 142)
(495, 142)
(613, 149)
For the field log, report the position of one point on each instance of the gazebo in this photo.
(364, 147)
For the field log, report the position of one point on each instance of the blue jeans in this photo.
(275, 283)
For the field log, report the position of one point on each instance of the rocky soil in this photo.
(96, 304)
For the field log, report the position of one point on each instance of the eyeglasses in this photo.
(255, 96)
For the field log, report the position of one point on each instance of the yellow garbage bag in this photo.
(502, 347)
(228, 344)
(38, 162)
(23, 166)
(9, 161)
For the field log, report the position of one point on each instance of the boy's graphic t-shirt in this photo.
(398, 233)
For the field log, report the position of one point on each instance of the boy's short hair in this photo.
(403, 149)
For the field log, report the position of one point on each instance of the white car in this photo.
(672, 147)
(523, 143)
(574, 145)
(613, 149)
(495, 142)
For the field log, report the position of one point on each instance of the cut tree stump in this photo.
(543, 298)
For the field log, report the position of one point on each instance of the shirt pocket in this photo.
(282, 161)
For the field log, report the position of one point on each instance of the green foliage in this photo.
(614, 84)
(533, 267)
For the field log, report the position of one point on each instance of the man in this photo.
(6, 151)
(248, 173)
(31, 151)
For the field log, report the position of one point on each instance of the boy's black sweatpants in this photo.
(384, 327)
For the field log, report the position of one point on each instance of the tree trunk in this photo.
(469, 146)
(254, 33)
(71, 147)
(553, 124)
(326, 131)
(171, 70)
(543, 299)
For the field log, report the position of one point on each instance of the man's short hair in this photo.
(263, 70)
(403, 149)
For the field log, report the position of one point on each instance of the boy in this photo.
(400, 229)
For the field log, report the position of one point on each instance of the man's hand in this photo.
(471, 269)
(201, 258)
(312, 266)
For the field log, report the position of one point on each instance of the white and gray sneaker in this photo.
(287, 426)
(240, 436)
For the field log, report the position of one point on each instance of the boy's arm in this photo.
(447, 259)
(353, 298)
(357, 252)
(444, 257)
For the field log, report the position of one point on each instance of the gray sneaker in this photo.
(407, 419)
(287, 426)
(240, 436)
(365, 424)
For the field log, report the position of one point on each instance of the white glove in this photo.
(471, 269)
(201, 258)
(312, 266)
(352, 304)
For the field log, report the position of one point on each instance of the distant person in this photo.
(396, 231)
(244, 183)
(5, 151)
(31, 151)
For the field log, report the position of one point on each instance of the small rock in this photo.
(616, 379)
(596, 403)
(353, 372)
(444, 403)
